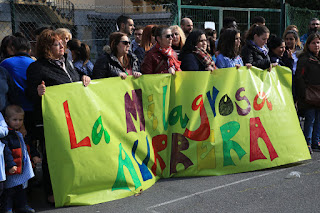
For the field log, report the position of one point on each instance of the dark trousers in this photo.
(46, 175)
(14, 197)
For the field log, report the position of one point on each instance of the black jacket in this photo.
(190, 62)
(109, 66)
(51, 74)
(251, 54)
(307, 73)
(282, 61)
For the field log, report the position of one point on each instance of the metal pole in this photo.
(13, 16)
(282, 16)
(179, 11)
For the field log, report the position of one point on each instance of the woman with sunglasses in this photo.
(178, 39)
(120, 62)
(161, 58)
(194, 56)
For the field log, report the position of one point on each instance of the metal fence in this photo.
(244, 16)
(90, 23)
(93, 24)
(300, 17)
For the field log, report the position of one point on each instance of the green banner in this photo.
(117, 137)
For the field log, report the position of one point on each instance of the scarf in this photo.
(61, 63)
(169, 53)
(204, 57)
(263, 49)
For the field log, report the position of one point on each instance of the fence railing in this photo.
(200, 14)
(93, 24)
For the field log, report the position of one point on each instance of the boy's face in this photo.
(15, 121)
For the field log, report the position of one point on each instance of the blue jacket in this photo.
(225, 62)
(8, 94)
(16, 154)
(17, 67)
(83, 69)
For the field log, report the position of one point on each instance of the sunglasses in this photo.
(169, 35)
(125, 42)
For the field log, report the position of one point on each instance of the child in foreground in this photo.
(18, 165)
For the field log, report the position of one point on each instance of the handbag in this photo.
(313, 95)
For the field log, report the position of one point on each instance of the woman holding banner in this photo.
(161, 58)
(308, 90)
(120, 62)
(50, 69)
(255, 51)
(194, 56)
(229, 48)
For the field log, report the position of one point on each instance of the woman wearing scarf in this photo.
(50, 69)
(194, 56)
(255, 51)
(161, 58)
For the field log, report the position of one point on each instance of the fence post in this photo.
(179, 11)
(13, 16)
(282, 16)
(220, 20)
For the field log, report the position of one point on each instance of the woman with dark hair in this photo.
(120, 62)
(255, 51)
(161, 58)
(229, 48)
(293, 48)
(50, 69)
(277, 52)
(7, 49)
(194, 56)
(307, 78)
(80, 56)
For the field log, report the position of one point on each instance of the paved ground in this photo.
(260, 191)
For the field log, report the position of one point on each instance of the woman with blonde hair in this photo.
(179, 38)
(65, 35)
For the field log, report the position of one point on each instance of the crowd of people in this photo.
(155, 49)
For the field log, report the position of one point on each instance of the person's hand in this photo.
(272, 65)
(86, 80)
(13, 169)
(210, 68)
(36, 160)
(290, 52)
(238, 66)
(23, 130)
(248, 65)
(137, 74)
(171, 71)
(41, 88)
(123, 75)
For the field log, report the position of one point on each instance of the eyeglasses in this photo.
(315, 24)
(169, 35)
(125, 42)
